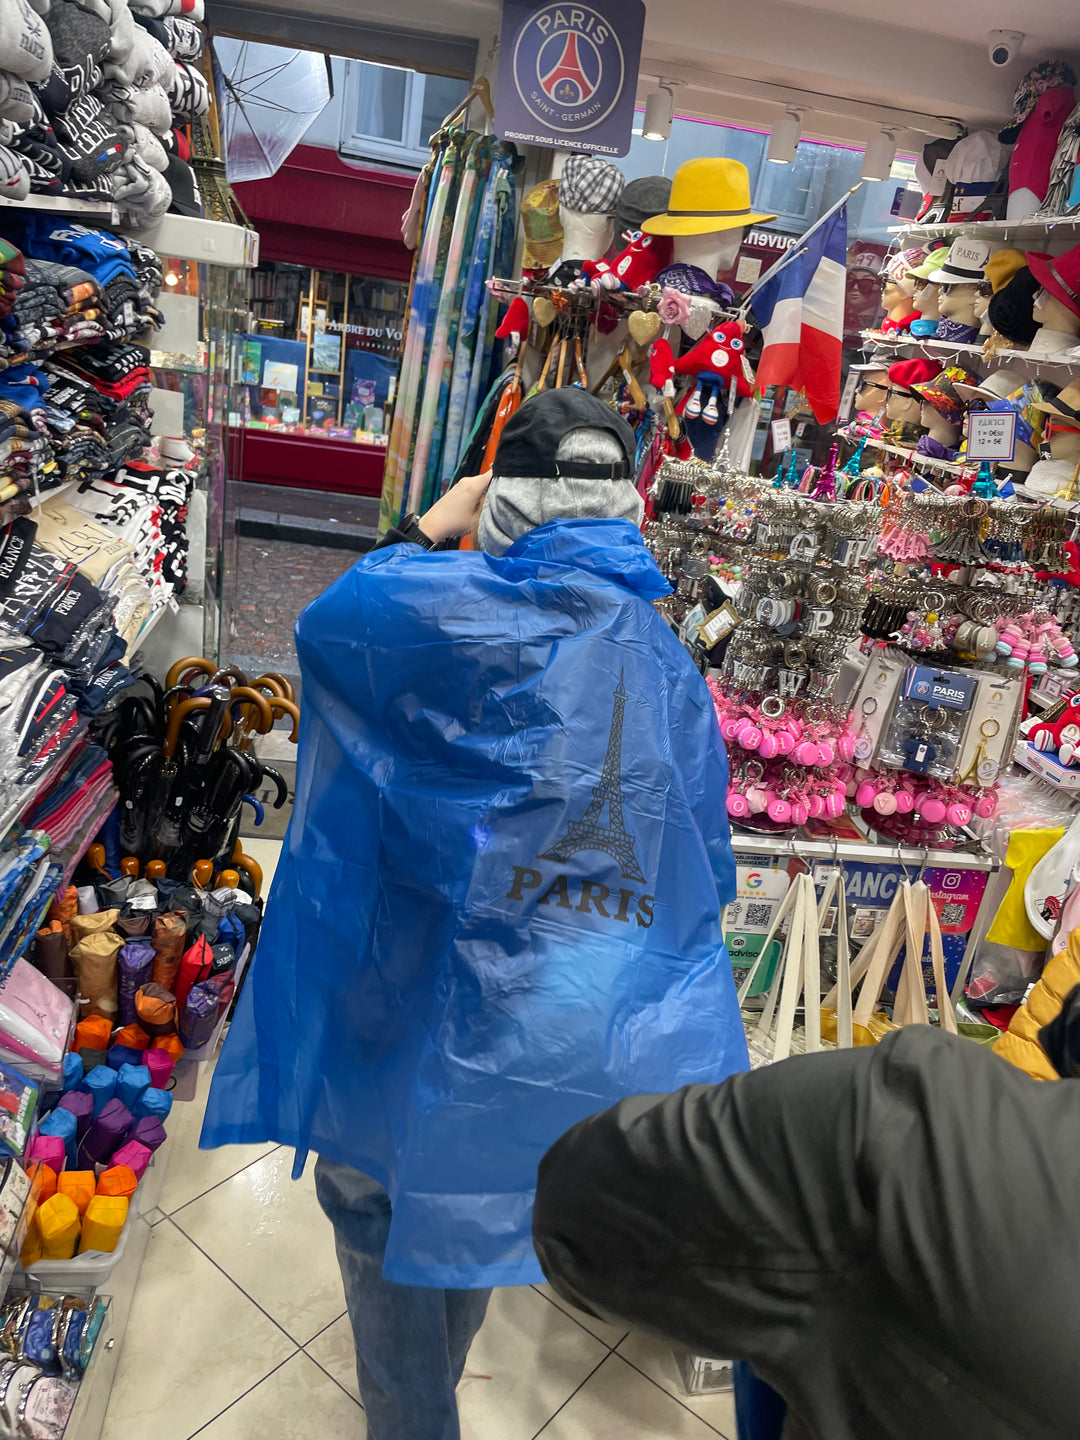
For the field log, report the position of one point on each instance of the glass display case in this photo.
(204, 305)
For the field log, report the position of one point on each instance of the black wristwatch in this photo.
(410, 529)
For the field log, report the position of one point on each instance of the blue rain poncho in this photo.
(498, 906)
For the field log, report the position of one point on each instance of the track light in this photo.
(879, 157)
(784, 140)
(659, 113)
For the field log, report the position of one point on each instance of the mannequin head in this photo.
(1064, 441)
(904, 406)
(1052, 314)
(589, 192)
(957, 302)
(896, 297)
(873, 388)
(937, 427)
(982, 309)
(1023, 459)
(926, 300)
(585, 237)
(711, 253)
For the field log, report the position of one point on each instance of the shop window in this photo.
(321, 354)
(389, 114)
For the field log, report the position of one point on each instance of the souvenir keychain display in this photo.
(802, 597)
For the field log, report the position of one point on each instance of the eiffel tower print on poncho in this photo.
(588, 833)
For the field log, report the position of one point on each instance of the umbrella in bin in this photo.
(206, 813)
(165, 790)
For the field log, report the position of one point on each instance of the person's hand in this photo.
(455, 512)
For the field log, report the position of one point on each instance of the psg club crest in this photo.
(568, 73)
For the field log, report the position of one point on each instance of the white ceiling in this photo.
(1050, 26)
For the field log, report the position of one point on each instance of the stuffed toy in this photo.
(715, 360)
(639, 264)
(516, 320)
(1063, 735)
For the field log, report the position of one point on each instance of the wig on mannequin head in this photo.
(1010, 310)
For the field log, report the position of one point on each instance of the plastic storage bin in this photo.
(82, 1272)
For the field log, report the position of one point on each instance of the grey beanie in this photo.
(515, 504)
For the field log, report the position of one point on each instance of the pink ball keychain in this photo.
(932, 810)
(737, 805)
(779, 810)
(866, 794)
(905, 799)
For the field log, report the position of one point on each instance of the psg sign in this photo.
(568, 74)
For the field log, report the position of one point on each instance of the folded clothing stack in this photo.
(146, 506)
(73, 797)
(89, 90)
(58, 305)
(47, 603)
(39, 720)
(12, 277)
(103, 558)
(29, 878)
(119, 375)
(26, 59)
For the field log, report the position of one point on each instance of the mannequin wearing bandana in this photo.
(958, 319)
(941, 438)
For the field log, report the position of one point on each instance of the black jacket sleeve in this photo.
(886, 1234)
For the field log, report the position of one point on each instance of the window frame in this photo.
(356, 146)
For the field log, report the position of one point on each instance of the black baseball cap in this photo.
(531, 437)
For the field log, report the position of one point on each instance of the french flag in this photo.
(801, 315)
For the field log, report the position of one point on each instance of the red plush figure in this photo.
(661, 364)
(716, 359)
(515, 321)
(1063, 735)
(639, 264)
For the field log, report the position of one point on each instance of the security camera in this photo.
(1004, 46)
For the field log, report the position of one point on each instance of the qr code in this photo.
(759, 915)
(953, 913)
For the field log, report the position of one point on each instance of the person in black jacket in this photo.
(888, 1235)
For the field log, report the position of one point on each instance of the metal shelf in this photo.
(102, 212)
(183, 237)
(1035, 227)
(801, 848)
(951, 349)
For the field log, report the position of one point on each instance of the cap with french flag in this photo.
(800, 310)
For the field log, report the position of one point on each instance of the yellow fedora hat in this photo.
(707, 195)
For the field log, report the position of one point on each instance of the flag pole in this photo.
(796, 250)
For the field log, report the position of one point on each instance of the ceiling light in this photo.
(659, 113)
(172, 278)
(879, 157)
(784, 140)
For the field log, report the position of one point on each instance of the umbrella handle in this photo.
(257, 806)
(253, 868)
(229, 672)
(286, 707)
(201, 873)
(129, 865)
(230, 879)
(192, 662)
(95, 856)
(176, 719)
(269, 686)
(156, 870)
(286, 685)
(173, 691)
(264, 715)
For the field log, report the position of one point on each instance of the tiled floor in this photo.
(238, 1329)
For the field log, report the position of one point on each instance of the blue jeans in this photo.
(411, 1342)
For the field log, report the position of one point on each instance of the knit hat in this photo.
(1011, 309)
(533, 485)
(1047, 75)
(25, 43)
(590, 186)
(641, 198)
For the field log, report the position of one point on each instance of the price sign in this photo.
(851, 384)
(781, 435)
(991, 435)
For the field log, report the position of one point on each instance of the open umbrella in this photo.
(270, 97)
